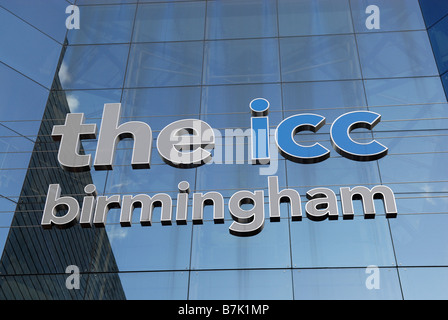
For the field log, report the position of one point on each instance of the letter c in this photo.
(290, 149)
(343, 143)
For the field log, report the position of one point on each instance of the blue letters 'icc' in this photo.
(292, 150)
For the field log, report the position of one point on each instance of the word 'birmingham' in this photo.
(322, 204)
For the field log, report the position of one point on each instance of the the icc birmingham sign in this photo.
(187, 143)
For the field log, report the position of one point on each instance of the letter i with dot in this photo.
(259, 131)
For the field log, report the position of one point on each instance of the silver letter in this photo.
(210, 198)
(147, 204)
(182, 202)
(247, 222)
(286, 195)
(111, 133)
(182, 143)
(367, 196)
(53, 204)
(322, 204)
(103, 204)
(87, 206)
(70, 135)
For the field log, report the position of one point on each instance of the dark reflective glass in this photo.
(433, 10)
(438, 35)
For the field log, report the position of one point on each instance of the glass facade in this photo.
(171, 60)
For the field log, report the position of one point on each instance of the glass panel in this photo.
(413, 117)
(165, 64)
(155, 285)
(161, 102)
(337, 171)
(341, 243)
(7, 205)
(419, 144)
(235, 176)
(236, 99)
(314, 17)
(82, 2)
(10, 141)
(11, 159)
(45, 15)
(11, 182)
(93, 67)
(215, 248)
(170, 22)
(103, 24)
(20, 40)
(404, 91)
(241, 19)
(154, 247)
(345, 284)
(89, 102)
(241, 61)
(421, 168)
(323, 95)
(160, 178)
(143, 1)
(424, 203)
(241, 285)
(319, 58)
(41, 287)
(424, 283)
(395, 15)
(396, 54)
(420, 239)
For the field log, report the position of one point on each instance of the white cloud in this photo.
(73, 102)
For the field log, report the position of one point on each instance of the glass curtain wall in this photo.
(171, 60)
